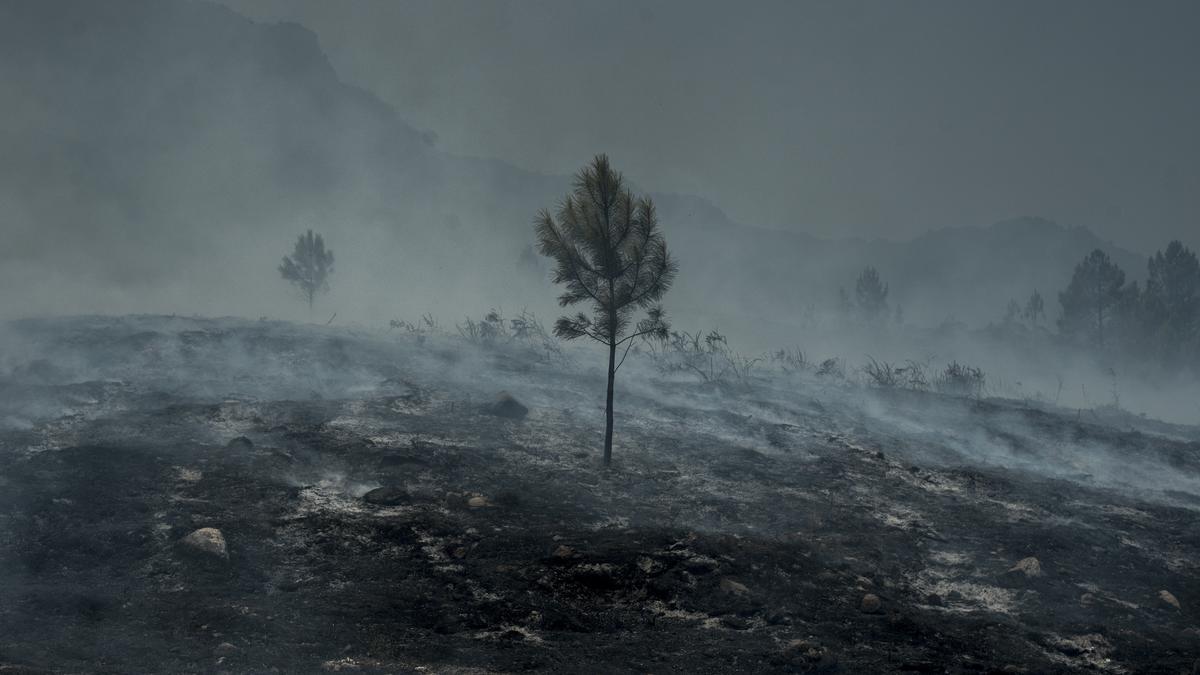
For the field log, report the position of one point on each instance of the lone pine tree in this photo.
(607, 252)
(308, 267)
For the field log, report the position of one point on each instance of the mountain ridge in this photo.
(149, 132)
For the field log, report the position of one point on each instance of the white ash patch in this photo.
(950, 558)
(1089, 652)
(316, 499)
(1122, 511)
(933, 482)
(975, 596)
(232, 418)
(1015, 510)
(361, 425)
(900, 517)
(659, 608)
(617, 522)
(414, 404)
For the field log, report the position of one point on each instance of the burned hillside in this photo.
(207, 495)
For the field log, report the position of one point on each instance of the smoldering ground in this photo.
(742, 528)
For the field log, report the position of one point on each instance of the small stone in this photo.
(734, 623)
(507, 406)
(649, 565)
(700, 565)
(734, 587)
(1087, 600)
(240, 443)
(207, 541)
(225, 649)
(386, 496)
(477, 502)
(1169, 598)
(870, 603)
(563, 552)
(808, 655)
(459, 552)
(1030, 567)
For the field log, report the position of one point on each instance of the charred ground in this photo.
(742, 529)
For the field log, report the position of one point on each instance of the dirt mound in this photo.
(507, 406)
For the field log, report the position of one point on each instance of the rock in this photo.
(507, 406)
(700, 565)
(734, 623)
(478, 502)
(1087, 600)
(870, 604)
(1029, 567)
(649, 565)
(808, 655)
(734, 587)
(563, 552)
(208, 542)
(1168, 598)
(225, 649)
(387, 496)
(240, 443)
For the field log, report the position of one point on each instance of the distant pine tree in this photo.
(871, 293)
(1171, 301)
(1090, 300)
(1012, 312)
(607, 252)
(1035, 308)
(308, 267)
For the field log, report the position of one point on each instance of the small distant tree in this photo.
(1011, 312)
(607, 252)
(1035, 308)
(1088, 303)
(844, 304)
(308, 267)
(871, 293)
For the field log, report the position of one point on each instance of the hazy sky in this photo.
(876, 118)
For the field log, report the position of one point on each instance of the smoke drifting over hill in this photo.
(160, 156)
(599, 337)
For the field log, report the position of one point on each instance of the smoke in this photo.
(165, 163)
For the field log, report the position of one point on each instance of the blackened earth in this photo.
(381, 518)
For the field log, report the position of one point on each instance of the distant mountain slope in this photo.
(159, 154)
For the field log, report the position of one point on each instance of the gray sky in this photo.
(852, 118)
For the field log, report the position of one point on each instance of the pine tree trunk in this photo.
(608, 408)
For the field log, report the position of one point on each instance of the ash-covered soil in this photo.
(376, 514)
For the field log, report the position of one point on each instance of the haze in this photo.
(871, 119)
(371, 336)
